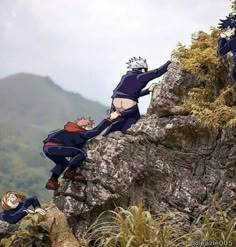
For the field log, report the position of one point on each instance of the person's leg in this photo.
(132, 116)
(77, 159)
(63, 151)
(74, 163)
(61, 164)
(233, 74)
(117, 126)
(58, 156)
(128, 124)
(76, 155)
(128, 117)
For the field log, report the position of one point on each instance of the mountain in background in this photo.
(30, 107)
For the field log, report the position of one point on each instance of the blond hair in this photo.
(6, 195)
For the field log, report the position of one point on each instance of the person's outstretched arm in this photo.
(14, 217)
(32, 201)
(88, 134)
(144, 92)
(100, 127)
(153, 74)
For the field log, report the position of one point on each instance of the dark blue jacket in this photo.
(14, 215)
(134, 81)
(225, 46)
(74, 136)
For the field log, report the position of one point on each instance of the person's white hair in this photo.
(137, 63)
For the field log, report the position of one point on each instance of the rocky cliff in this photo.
(167, 160)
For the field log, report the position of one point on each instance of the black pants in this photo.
(233, 73)
(58, 155)
(127, 118)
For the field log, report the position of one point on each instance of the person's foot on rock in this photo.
(73, 175)
(52, 184)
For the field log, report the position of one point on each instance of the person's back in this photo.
(66, 137)
(126, 94)
(129, 86)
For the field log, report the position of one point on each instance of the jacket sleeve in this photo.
(32, 201)
(144, 92)
(1, 216)
(97, 130)
(150, 75)
(13, 218)
(223, 47)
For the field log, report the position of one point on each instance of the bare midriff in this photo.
(122, 104)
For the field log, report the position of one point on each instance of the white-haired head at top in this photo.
(138, 63)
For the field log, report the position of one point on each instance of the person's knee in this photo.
(46, 151)
(128, 124)
(80, 154)
(83, 154)
(50, 151)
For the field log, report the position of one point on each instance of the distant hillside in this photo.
(32, 106)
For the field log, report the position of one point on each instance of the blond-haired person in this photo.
(16, 206)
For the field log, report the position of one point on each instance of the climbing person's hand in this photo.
(40, 211)
(227, 32)
(223, 35)
(152, 86)
(114, 115)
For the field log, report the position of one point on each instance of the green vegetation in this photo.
(32, 106)
(209, 101)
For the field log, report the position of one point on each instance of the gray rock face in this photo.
(166, 160)
(170, 91)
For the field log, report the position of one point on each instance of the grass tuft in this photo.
(213, 102)
(136, 227)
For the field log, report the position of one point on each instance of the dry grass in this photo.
(135, 227)
(209, 114)
(208, 101)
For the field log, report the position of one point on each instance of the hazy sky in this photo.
(83, 45)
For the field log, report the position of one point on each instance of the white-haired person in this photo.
(16, 206)
(126, 94)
